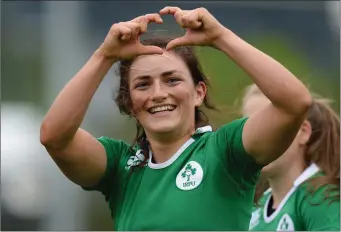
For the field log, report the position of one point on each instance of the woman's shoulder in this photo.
(234, 124)
(117, 146)
(318, 189)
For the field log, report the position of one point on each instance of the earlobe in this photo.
(201, 92)
(305, 132)
(199, 101)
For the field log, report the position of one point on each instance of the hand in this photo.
(201, 27)
(122, 41)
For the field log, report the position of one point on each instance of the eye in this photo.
(142, 85)
(173, 80)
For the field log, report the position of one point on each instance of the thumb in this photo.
(149, 50)
(181, 41)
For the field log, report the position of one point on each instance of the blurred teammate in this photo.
(304, 191)
(179, 175)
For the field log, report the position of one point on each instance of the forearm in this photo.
(68, 110)
(283, 89)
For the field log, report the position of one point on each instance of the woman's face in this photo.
(163, 94)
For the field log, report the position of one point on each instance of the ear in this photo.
(201, 91)
(304, 133)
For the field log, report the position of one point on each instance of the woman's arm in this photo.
(79, 155)
(268, 133)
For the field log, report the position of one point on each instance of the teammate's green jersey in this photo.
(208, 184)
(299, 210)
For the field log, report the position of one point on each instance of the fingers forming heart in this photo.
(191, 20)
(126, 29)
(169, 10)
(147, 19)
(184, 18)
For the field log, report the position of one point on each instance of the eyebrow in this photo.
(164, 74)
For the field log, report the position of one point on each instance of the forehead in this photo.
(255, 103)
(154, 65)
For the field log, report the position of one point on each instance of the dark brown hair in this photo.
(322, 148)
(123, 99)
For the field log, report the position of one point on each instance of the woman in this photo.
(178, 170)
(304, 191)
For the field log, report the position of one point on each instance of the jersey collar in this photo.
(200, 130)
(306, 174)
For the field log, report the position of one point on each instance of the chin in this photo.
(163, 127)
(269, 169)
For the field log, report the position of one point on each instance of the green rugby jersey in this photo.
(299, 210)
(208, 184)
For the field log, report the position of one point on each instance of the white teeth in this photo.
(162, 108)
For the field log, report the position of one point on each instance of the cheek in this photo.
(186, 94)
(137, 102)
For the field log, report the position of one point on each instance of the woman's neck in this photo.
(281, 183)
(164, 147)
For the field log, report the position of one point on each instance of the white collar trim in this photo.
(306, 174)
(200, 130)
(203, 129)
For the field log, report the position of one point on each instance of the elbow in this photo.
(304, 104)
(46, 139)
(300, 105)
(49, 138)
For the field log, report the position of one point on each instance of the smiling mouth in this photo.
(158, 109)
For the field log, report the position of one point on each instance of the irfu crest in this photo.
(190, 176)
(286, 224)
(188, 172)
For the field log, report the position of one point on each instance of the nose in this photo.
(158, 93)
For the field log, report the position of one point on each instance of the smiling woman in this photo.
(178, 174)
(164, 96)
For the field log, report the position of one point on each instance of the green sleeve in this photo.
(319, 214)
(115, 149)
(240, 166)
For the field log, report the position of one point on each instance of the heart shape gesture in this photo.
(123, 39)
(201, 27)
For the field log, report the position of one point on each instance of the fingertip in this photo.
(156, 18)
(160, 52)
(163, 9)
(163, 12)
(169, 47)
(159, 20)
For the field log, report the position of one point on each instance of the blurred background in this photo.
(44, 43)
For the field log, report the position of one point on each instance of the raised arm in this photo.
(80, 156)
(267, 134)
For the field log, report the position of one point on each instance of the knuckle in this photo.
(178, 14)
(184, 19)
(150, 15)
(202, 9)
(114, 26)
